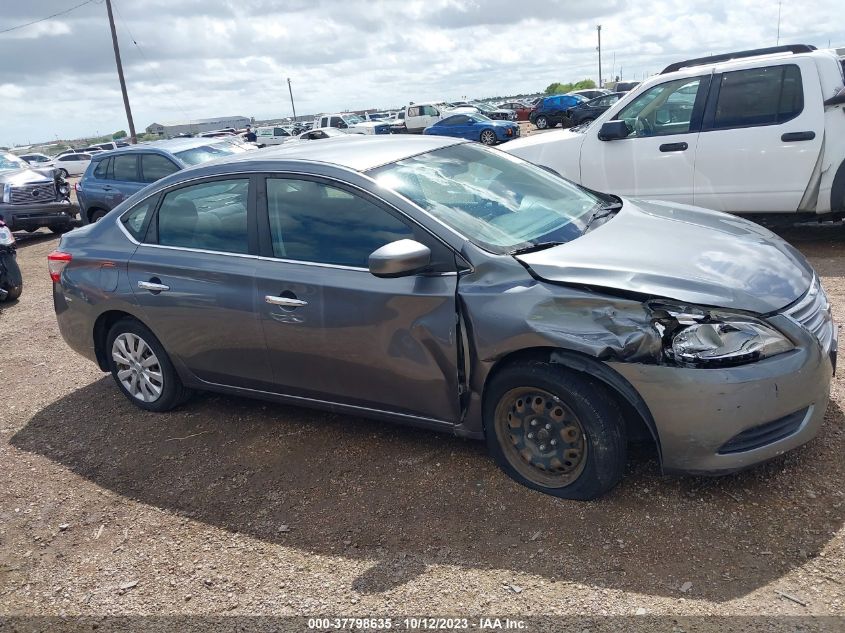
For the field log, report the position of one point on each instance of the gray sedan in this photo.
(450, 286)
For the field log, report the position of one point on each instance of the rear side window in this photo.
(155, 166)
(125, 168)
(210, 216)
(135, 220)
(102, 169)
(759, 96)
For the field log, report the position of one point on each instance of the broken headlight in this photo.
(700, 338)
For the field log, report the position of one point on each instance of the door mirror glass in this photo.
(613, 130)
(399, 258)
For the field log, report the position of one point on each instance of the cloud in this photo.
(195, 58)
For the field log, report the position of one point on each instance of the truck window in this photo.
(663, 109)
(415, 111)
(759, 96)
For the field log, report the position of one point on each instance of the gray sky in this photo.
(203, 58)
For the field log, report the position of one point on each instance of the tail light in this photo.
(56, 262)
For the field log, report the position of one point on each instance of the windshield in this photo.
(204, 153)
(352, 119)
(10, 161)
(483, 107)
(497, 201)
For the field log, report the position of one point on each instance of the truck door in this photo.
(761, 136)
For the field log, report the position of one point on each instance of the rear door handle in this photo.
(153, 286)
(791, 137)
(674, 147)
(285, 301)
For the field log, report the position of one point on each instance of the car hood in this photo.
(684, 253)
(26, 176)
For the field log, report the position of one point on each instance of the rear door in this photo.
(194, 278)
(337, 333)
(657, 159)
(124, 179)
(761, 137)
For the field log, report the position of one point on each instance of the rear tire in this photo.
(60, 229)
(554, 430)
(14, 292)
(97, 215)
(142, 369)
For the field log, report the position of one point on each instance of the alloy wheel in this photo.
(542, 438)
(137, 367)
(488, 137)
(542, 123)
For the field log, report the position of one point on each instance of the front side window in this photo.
(209, 216)
(415, 111)
(497, 201)
(759, 96)
(156, 167)
(662, 110)
(314, 222)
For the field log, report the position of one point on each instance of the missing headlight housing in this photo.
(698, 337)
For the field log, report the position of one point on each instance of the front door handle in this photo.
(674, 147)
(153, 286)
(288, 302)
(791, 137)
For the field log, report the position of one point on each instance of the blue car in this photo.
(113, 176)
(475, 127)
(550, 111)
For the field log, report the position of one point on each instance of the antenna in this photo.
(780, 3)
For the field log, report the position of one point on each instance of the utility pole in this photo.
(780, 3)
(132, 136)
(598, 30)
(293, 107)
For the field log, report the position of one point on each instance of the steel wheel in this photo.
(542, 438)
(138, 368)
(488, 137)
(542, 123)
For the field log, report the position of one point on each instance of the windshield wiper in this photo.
(539, 246)
(603, 211)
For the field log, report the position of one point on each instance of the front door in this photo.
(337, 333)
(657, 159)
(194, 279)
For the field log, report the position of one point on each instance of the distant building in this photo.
(197, 126)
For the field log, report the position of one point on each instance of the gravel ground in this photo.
(238, 507)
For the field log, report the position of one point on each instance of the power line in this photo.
(49, 17)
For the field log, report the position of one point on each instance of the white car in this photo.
(272, 135)
(351, 123)
(751, 132)
(70, 164)
(317, 134)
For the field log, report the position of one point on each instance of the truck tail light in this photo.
(56, 262)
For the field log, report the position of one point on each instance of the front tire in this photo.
(142, 369)
(541, 122)
(13, 292)
(488, 137)
(60, 229)
(555, 430)
(63, 172)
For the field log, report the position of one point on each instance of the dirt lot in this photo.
(231, 506)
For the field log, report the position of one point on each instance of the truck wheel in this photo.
(488, 137)
(554, 430)
(541, 122)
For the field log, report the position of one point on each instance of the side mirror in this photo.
(399, 258)
(837, 99)
(613, 131)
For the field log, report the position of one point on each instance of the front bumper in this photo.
(32, 216)
(702, 416)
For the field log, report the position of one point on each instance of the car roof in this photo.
(171, 145)
(359, 154)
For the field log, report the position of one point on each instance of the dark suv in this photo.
(114, 176)
(550, 111)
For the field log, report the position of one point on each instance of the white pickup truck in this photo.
(352, 123)
(419, 116)
(751, 132)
